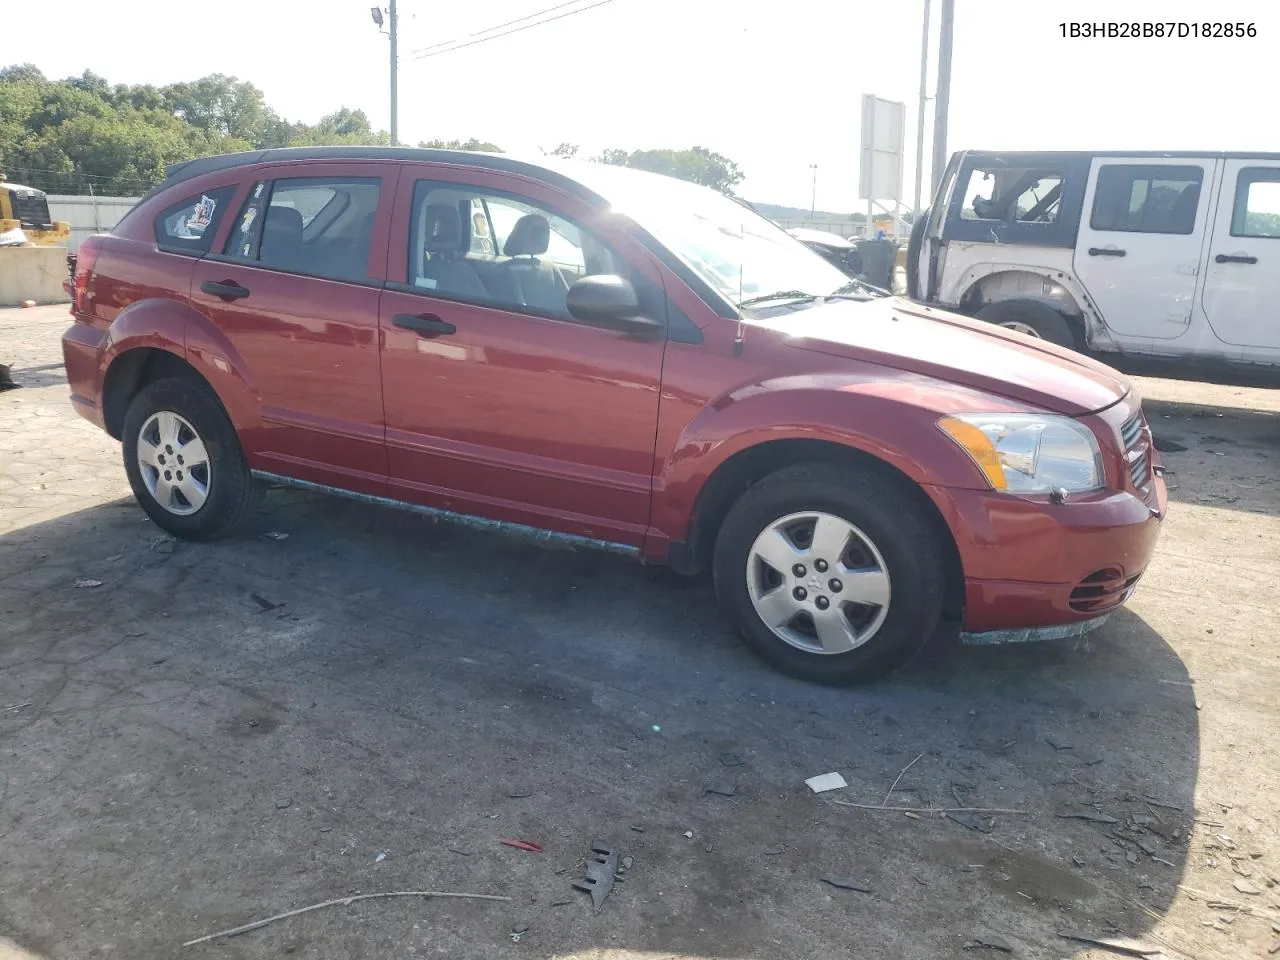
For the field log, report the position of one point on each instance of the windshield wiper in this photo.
(856, 284)
(778, 295)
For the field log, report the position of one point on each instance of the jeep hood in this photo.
(895, 333)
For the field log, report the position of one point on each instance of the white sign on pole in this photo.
(883, 130)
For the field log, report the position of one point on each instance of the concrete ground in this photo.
(219, 733)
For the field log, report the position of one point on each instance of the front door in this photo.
(499, 403)
(295, 290)
(1242, 283)
(1139, 247)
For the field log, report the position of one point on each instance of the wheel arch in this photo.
(131, 371)
(749, 466)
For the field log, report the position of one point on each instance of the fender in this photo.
(179, 329)
(890, 417)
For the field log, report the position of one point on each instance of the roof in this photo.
(177, 172)
(1051, 155)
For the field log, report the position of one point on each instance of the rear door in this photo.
(295, 289)
(1140, 243)
(498, 403)
(1242, 283)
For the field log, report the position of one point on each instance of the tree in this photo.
(473, 145)
(566, 150)
(66, 136)
(342, 127)
(696, 164)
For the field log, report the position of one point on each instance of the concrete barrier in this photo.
(32, 273)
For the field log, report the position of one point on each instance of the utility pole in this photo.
(813, 196)
(944, 91)
(395, 71)
(924, 103)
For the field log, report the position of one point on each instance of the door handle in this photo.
(1105, 252)
(1234, 258)
(227, 289)
(426, 325)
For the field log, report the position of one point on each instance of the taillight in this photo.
(86, 256)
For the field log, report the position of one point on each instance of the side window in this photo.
(189, 225)
(1011, 195)
(316, 226)
(1257, 207)
(487, 247)
(1146, 198)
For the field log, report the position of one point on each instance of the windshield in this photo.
(735, 250)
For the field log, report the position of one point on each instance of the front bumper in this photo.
(1029, 563)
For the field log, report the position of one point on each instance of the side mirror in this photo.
(605, 300)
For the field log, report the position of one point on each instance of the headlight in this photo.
(1029, 452)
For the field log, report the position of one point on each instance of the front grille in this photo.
(1137, 449)
(1102, 590)
(30, 208)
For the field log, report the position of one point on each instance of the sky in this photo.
(775, 87)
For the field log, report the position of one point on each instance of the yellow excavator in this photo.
(27, 209)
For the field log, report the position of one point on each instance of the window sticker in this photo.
(247, 220)
(202, 214)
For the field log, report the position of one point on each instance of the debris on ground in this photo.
(846, 883)
(826, 781)
(989, 941)
(523, 845)
(1125, 945)
(88, 583)
(688, 834)
(1247, 887)
(380, 857)
(637, 828)
(275, 535)
(1088, 815)
(722, 788)
(971, 821)
(519, 793)
(264, 603)
(518, 931)
(731, 760)
(346, 902)
(602, 870)
(283, 803)
(893, 786)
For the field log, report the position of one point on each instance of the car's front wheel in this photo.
(830, 573)
(184, 461)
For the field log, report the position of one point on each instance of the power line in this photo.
(480, 33)
(447, 48)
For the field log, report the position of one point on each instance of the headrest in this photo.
(444, 228)
(529, 237)
(282, 223)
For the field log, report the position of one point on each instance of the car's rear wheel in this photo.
(1032, 318)
(184, 461)
(830, 573)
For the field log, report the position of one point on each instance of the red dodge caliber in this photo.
(618, 360)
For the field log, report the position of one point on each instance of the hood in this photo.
(895, 333)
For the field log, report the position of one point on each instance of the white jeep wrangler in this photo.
(1173, 255)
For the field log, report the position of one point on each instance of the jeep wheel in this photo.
(829, 573)
(1032, 318)
(184, 461)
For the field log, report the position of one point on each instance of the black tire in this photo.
(1047, 322)
(233, 493)
(888, 516)
(914, 242)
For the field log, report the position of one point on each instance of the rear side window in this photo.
(1143, 198)
(1257, 208)
(1012, 195)
(189, 225)
(315, 226)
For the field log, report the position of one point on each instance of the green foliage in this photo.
(697, 165)
(566, 150)
(473, 145)
(65, 136)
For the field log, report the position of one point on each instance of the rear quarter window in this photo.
(189, 225)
